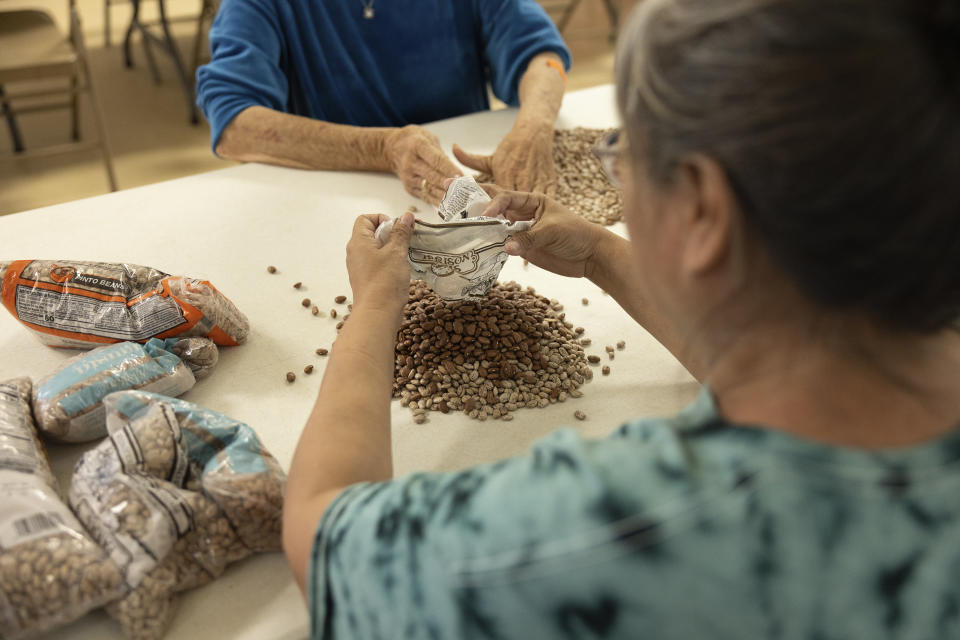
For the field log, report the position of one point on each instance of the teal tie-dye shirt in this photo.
(687, 529)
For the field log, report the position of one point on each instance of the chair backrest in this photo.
(59, 10)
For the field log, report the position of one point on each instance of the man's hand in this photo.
(559, 241)
(415, 156)
(523, 161)
(380, 275)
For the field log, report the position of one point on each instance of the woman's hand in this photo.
(523, 161)
(559, 241)
(380, 275)
(415, 156)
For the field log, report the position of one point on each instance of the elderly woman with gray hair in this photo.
(791, 177)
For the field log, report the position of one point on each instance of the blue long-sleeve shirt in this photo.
(414, 61)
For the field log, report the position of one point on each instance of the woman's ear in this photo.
(710, 214)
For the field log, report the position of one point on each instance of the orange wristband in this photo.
(559, 67)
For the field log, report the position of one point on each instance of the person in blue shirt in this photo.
(789, 173)
(343, 84)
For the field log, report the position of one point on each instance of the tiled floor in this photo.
(147, 123)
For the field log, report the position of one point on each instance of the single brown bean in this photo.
(291, 376)
(340, 299)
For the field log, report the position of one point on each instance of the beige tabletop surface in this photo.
(227, 226)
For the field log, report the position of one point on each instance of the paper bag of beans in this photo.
(51, 571)
(461, 257)
(464, 199)
(175, 494)
(82, 305)
(68, 403)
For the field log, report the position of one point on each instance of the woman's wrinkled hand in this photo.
(415, 156)
(380, 274)
(523, 161)
(559, 241)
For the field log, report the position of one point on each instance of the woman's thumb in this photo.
(519, 243)
(402, 230)
(472, 160)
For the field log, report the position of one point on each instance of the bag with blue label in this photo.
(68, 403)
(175, 494)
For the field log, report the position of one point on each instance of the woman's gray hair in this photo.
(838, 125)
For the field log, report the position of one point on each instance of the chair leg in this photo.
(567, 14)
(74, 108)
(613, 14)
(11, 122)
(106, 23)
(198, 41)
(134, 21)
(178, 63)
(98, 120)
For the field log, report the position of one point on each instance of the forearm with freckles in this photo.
(259, 134)
(540, 92)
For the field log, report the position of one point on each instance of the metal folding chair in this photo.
(33, 48)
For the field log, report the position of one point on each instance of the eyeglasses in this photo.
(610, 152)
